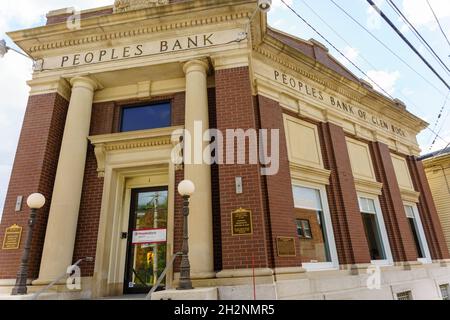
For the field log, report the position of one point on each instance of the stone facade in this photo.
(334, 140)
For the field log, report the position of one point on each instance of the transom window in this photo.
(314, 228)
(146, 117)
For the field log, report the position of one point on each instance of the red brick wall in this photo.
(235, 109)
(33, 171)
(397, 226)
(351, 242)
(280, 202)
(428, 212)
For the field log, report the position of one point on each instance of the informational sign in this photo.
(286, 247)
(12, 238)
(241, 222)
(149, 236)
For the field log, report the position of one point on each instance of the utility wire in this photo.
(387, 48)
(418, 35)
(335, 48)
(392, 25)
(336, 33)
(433, 53)
(325, 39)
(438, 22)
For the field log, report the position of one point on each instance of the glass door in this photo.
(147, 236)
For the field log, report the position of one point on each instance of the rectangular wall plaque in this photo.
(241, 223)
(12, 238)
(286, 247)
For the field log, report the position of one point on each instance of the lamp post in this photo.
(4, 49)
(186, 189)
(35, 201)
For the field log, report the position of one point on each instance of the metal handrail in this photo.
(162, 276)
(52, 284)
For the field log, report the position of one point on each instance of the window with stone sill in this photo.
(314, 227)
(375, 229)
(145, 117)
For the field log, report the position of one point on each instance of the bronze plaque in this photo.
(241, 223)
(286, 247)
(11, 241)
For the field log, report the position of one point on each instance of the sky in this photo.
(424, 98)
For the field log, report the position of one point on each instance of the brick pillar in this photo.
(33, 171)
(397, 225)
(280, 201)
(428, 212)
(351, 242)
(235, 109)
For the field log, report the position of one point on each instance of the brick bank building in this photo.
(96, 140)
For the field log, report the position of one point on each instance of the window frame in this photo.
(421, 232)
(302, 221)
(382, 226)
(141, 105)
(320, 266)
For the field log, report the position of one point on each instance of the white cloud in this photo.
(385, 79)
(15, 70)
(278, 4)
(350, 53)
(418, 12)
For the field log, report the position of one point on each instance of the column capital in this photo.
(200, 65)
(84, 82)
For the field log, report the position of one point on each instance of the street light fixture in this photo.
(186, 189)
(4, 49)
(35, 201)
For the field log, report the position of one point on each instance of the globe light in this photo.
(186, 188)
(36, 201)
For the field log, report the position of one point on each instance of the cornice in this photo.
(104, 144)
(272, 49)
(117, 26)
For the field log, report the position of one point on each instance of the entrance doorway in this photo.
(147, 240)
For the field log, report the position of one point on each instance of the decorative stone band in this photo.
(129, 5)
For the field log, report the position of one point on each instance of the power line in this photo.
(336, 33)
(419, 36)
(335, 48)
(391, 24)
(387, 48)
(438, 22)
(431, 50)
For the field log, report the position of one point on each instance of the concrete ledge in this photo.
(195, 294)
(241, 273)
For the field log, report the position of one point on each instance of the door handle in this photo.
(124, 235)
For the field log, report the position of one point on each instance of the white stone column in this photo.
(63, 217)
(201, 249)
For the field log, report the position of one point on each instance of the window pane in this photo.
(373, 236)
(314, 243)
(409, 212)
(307, 198)
(367, 205)
(146, 117)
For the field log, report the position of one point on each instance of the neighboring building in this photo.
(97, 141)
(437, 169)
